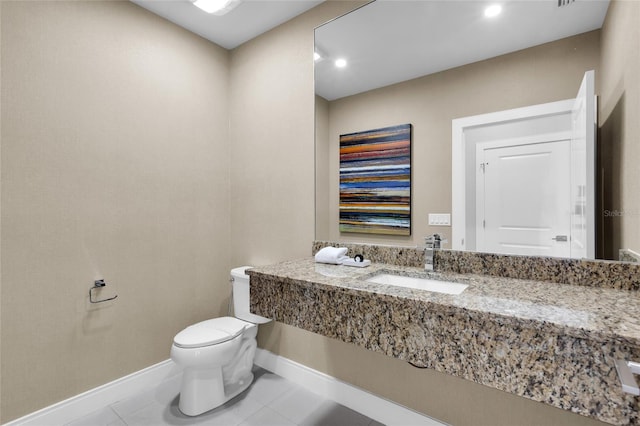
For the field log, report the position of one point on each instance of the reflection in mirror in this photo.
(429, 63)
(523, 179)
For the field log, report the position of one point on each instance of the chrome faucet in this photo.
(432, 243)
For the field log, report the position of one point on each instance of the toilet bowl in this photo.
(217, 354)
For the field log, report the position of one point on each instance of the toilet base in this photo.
(239, 387)
(203, 390)
(215, 373)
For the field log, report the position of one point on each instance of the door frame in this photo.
(458, 161)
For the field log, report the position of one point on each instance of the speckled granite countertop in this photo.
(554, 343)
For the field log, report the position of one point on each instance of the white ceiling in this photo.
(247, 20)
(389, 41)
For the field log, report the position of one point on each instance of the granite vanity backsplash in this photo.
(593, 273)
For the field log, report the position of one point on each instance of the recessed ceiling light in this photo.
(216, 7)
(493, 10)
(341, 63)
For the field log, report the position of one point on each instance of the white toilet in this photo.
(217, 354)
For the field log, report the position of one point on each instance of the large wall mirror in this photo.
(432, 63)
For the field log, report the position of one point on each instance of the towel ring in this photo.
(98, 284)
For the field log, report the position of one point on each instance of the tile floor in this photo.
(271, 400)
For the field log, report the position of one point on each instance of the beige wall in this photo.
(620, 127)
(272, 140)
(114, 165)
(323, 200)
(546, 73)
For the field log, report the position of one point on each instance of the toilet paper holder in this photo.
(96, 285)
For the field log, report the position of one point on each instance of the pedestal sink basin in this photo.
(427, 284)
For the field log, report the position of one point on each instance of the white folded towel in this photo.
(333, 255)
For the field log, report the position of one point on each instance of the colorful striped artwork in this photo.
(375, 181)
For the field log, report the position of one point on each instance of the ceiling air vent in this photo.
(562, 3)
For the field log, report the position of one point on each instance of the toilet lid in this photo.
(210, 332)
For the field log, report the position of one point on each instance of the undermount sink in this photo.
(427, 284)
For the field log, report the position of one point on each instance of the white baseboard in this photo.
(375, 407)
(94, 399)
(326, 386)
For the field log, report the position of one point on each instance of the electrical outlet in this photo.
(440, 219)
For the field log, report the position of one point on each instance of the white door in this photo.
(583, 166)
(523, 196)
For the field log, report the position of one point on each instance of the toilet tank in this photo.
(240, 281)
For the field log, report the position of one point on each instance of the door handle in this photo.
(560, 238)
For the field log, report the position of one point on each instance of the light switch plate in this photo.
(440, 219)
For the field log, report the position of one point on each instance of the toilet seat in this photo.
(210, 332)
